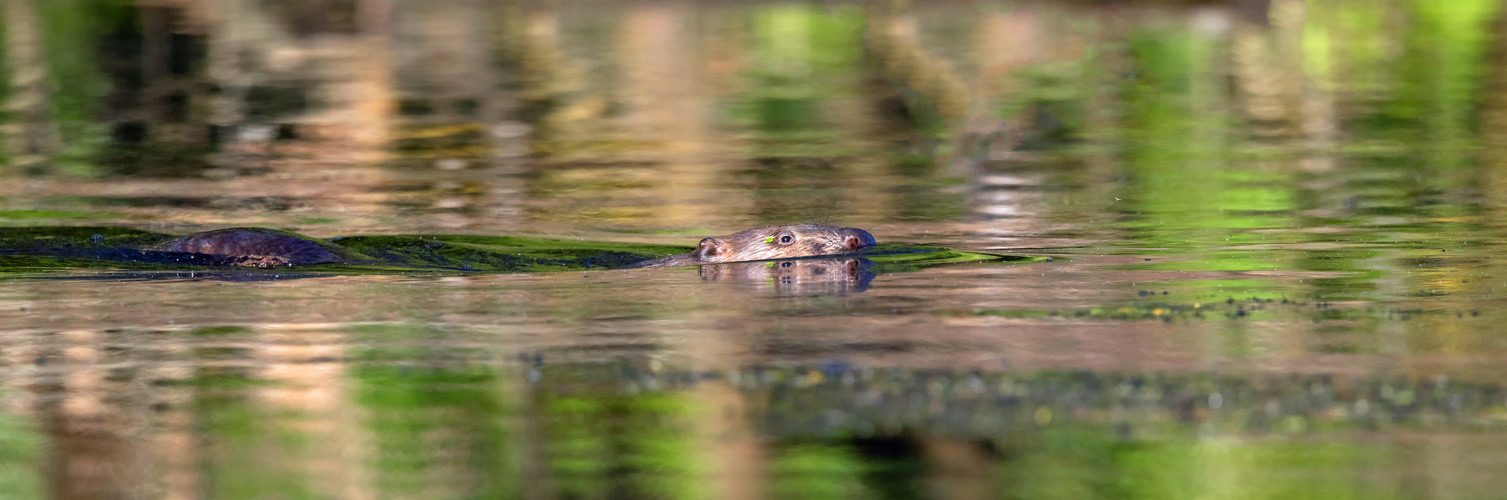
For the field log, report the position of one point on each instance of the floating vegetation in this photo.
(841, 399)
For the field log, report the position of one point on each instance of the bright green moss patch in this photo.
(22, 238)
(28, 215)
(504, 254)
(905, 257)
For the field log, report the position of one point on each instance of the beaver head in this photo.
(781, 242)
(766, 243)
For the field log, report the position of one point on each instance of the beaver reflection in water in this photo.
(259, 247)
(813, 276)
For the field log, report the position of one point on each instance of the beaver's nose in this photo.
(857, 239)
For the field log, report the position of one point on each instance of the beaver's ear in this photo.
(710, 248)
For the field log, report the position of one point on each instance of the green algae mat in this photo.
(28, 250)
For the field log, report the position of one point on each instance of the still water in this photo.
(1267, 250)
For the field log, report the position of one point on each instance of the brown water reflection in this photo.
(1274, 233)
(355, 386)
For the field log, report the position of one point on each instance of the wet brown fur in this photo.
(775, 242)
(257, 247)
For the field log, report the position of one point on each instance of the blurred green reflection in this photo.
(1256, 250)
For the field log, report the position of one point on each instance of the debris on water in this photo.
(450, 164)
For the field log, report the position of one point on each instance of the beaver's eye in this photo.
(786, 239)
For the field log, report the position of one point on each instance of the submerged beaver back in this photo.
(276, 247)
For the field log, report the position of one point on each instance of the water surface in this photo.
(1265, 250)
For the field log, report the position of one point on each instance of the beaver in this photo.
(765, 243)
(258, 247)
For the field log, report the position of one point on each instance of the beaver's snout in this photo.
(857, 239)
